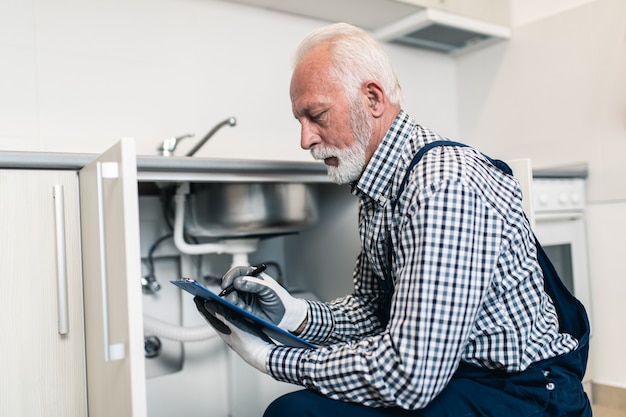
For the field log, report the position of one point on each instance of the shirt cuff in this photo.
(320, 323)
(283, 363)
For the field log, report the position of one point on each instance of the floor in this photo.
(600, 411)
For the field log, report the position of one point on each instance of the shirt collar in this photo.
(375, 182)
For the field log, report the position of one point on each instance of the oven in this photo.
(560, 226)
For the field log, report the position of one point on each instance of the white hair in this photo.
(356, 58)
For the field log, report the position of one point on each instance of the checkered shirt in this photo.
(467, 285)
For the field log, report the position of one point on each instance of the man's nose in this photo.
(308, 136)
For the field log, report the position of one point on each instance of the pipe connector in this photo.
(168, 146)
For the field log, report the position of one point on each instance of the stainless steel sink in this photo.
(230, 210)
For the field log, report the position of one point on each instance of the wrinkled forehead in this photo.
(312, 94)
(314, 77)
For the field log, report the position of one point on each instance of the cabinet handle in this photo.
(106, 170)
(59, 222)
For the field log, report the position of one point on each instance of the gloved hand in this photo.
(252, 346)
(268, 298)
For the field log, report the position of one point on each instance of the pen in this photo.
(256, 271)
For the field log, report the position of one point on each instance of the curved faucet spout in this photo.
(231, 121)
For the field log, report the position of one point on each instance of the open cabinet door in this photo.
(112, 290)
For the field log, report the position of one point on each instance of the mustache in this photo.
(323, 153)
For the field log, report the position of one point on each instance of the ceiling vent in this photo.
(442, 32)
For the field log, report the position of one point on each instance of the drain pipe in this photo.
(239, 248)
(160, 328)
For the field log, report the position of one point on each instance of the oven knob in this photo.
(543, 199)
(563, 199)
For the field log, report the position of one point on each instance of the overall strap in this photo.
(388, 282)
(418, 156)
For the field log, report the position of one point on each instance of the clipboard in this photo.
(269, 329)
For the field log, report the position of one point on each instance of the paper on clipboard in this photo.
(270, 329)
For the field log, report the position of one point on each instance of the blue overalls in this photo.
(551, 387)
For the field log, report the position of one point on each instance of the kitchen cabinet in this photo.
(111, 268)
(372, 14)
(42, 357)
(97, 368)
(70, 295)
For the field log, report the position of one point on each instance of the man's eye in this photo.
(318, 116)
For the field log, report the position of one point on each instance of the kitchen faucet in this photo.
(169, 145)
(230, 121)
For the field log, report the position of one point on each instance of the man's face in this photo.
(332, 128)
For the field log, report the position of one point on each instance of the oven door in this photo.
(565, 241)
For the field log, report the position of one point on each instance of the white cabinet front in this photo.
(111, 268)
(42, 358)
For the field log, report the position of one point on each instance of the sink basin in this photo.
(231, 210)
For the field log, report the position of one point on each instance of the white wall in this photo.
(557, 93)
(527, 11)
(78, 75)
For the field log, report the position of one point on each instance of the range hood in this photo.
(402, 22)
(441, 31)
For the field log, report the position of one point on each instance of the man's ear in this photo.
(374, 96)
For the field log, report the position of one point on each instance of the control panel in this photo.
(558, 194)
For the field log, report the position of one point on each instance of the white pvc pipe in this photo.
(179, 222)
(233, 246)
(240, 259)
(238, 248)
(156, 327)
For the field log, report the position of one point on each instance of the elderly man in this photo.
(452, 313)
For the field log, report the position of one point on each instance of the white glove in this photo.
(268, 299)
(253, 347)
(249, 347)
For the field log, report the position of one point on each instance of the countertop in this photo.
(159, 168)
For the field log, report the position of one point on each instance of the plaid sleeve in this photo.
(348, 317)
(446, 252)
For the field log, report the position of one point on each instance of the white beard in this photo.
(351, 160)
